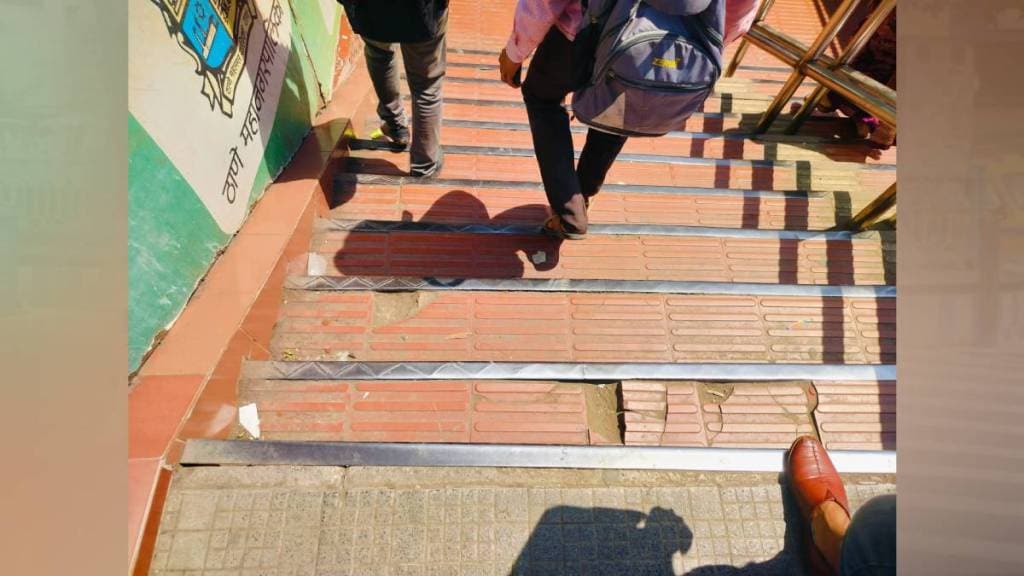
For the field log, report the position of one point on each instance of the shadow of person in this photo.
(611, 541)
(444, 245)
(604, 541)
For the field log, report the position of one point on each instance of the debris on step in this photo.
(316, 265)
(249, 418)
(394, 307)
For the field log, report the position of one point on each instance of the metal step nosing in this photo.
(388, 180)
(675, 287)
(346, 225)
(571, 371)
(764, 139)
(204, 452)
(496, 80)
(807, 165)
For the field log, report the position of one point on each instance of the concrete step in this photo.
(403, 520)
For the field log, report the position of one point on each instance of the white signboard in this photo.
(204, 81)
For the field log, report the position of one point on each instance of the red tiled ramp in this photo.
(681, 258)
(537, 327)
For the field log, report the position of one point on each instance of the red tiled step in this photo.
(561, 327)
(733, 415)
(524, 169)
(497, 92)
(751, 86)
(513, 412)
(472, 204)
(857, 415)
(485, 65)
(708, 259)
(699, 122)
(518, 136)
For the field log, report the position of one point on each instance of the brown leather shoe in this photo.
(813, 480)
(812, 477)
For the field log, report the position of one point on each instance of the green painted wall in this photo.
(174, 231)
(171, 240)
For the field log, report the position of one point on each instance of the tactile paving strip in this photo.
(707, 259)
(556, 327)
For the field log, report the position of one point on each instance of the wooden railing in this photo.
(831, 75)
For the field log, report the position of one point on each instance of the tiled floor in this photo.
(400, 521)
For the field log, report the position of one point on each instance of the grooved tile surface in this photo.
(857, 415)
(472, 204)
(420, 411)
(560, 327)
(699, 122)
(524, 169)
(711, 259)
(693, 147)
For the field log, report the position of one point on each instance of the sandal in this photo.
(553, 227)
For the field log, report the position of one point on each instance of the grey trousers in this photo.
(869, 548)
(424, 70)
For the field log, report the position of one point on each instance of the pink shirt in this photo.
(535, 17)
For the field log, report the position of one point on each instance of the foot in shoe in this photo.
(397, 135)
(429, 172)
(554, 228)
(821, 497)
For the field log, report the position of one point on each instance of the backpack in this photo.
(654, 64)
(401, 21)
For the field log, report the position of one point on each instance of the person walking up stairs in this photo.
(565, 42)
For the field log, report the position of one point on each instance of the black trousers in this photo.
(549, 80)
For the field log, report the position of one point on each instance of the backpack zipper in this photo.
(660, 86)
(640, 39)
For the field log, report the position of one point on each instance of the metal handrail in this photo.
(830, 75)
(812, 53)
(874, 211)
(860, 40)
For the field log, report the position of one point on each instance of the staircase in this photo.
(718, 305)
(710, 255)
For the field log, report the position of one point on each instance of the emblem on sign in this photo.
(215, 33)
